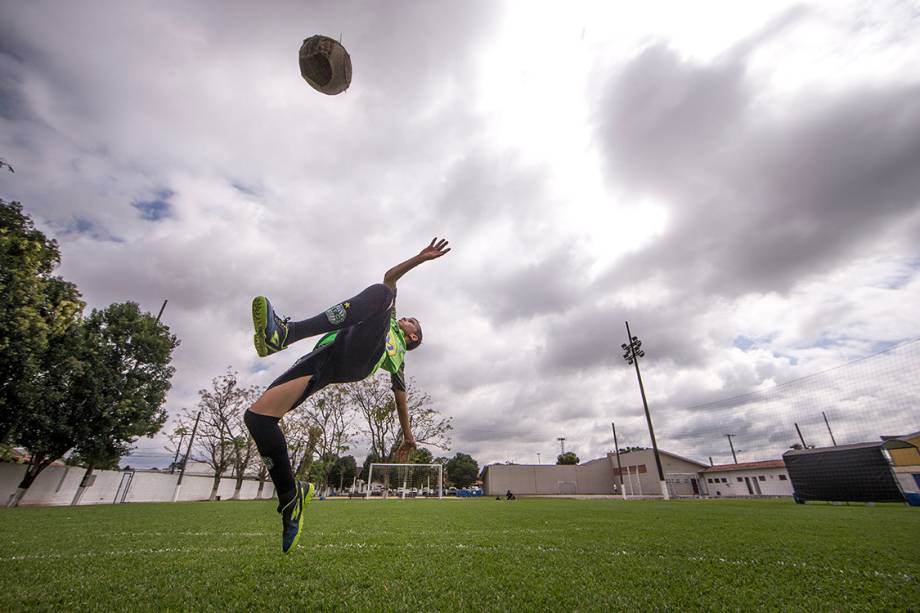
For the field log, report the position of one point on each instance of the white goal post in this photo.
(403, 478)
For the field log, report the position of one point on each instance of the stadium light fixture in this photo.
(632, 353)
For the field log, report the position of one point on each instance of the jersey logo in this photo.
(391, 346)
(336, 314)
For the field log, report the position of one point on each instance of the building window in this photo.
(782, 477)
(709, 480)
(761, 478)
(739, 479)
(724, 480)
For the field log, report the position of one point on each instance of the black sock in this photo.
(371, 301)
(273, 448)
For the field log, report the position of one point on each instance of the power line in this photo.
(809, 376)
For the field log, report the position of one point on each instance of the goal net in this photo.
(404, 480)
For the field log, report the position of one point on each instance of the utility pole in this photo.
(633, 353)
(185, 459)
(172, 469)
(160, 314)
(734, 457)
(561, 440)
(616, 446)
(538, 458)
(801, 438)
(828, 428)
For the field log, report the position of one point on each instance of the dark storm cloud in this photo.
(759, 197)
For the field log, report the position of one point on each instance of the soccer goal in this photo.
(405, 480)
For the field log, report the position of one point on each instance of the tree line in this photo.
(319, 433)
(88, 385)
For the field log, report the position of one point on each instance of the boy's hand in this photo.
(435, 250)
(405, 451)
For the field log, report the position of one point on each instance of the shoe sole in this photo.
(259, 321)
(306, 500)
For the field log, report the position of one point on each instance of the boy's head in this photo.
(412, 330)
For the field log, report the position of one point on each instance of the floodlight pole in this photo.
(829, 428)
(616, 446)
(561, 440)
(730, 444)
(632, 355)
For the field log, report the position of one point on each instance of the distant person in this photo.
(362, 334)
(509, 496)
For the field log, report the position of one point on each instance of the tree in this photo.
(131, 354)
(422, 456)
(35, 309)
(244, 448)
(343, 471)
(67, 383)
(302, 436)
(462, 470)
(567, 458)
(101, 462)
(429, 427)
(374, 401)
(52, 423)
(332, 412)
(218, 434)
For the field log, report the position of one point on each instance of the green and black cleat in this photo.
(271, 332)
(292, 515)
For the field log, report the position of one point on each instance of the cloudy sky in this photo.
(741, 183)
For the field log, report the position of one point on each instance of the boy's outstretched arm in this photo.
(408, 446)
(436, 249)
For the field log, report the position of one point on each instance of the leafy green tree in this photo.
(132, 371)
(342, 471)
(371, 458)
(462, 470)
(54, 417)
(35, 309)
(100, 462)
(422, 456)
(567, 458)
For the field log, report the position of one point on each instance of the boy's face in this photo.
(409, 326)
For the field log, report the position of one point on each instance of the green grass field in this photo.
(529, 554)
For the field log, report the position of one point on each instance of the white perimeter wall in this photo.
(57, 485)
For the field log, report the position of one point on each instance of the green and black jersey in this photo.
(394, 354)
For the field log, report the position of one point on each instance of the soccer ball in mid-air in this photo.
(325, 65)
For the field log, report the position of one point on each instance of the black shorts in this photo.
(352, 356)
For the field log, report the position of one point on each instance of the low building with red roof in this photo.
(764, 478)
